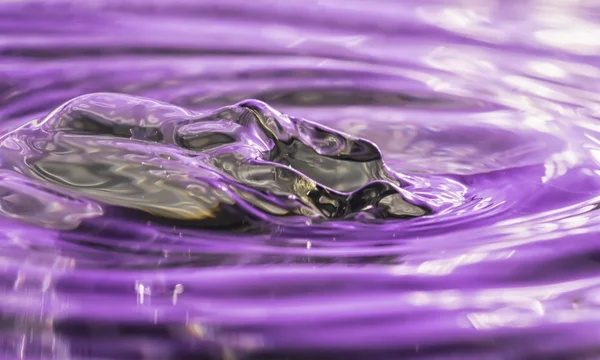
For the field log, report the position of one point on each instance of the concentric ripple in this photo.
(469, 129)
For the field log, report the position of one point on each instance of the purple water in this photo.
(299, 180)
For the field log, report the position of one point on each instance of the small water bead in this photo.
(178, 290)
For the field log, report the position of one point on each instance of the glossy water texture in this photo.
(452, 216)
(232, 167)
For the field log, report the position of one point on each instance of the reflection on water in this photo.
(484, 113)
(231, 167)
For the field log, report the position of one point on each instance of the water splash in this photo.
(222, 169)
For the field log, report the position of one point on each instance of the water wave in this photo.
(487, 109)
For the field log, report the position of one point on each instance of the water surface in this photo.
(476, 121)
